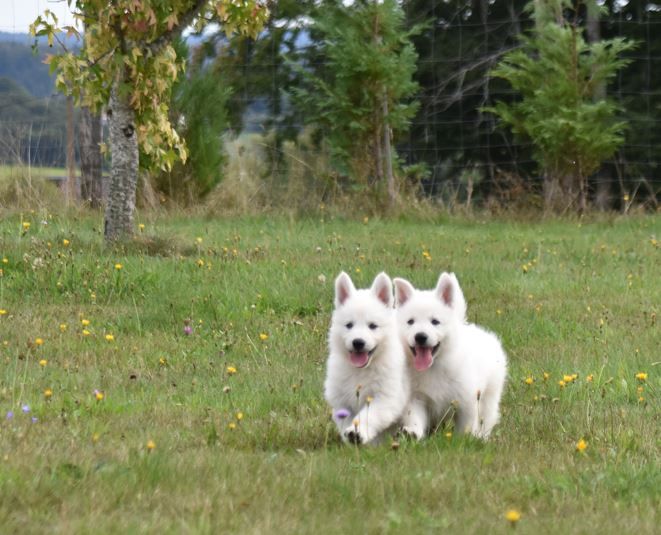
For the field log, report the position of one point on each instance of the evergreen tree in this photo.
(362, 90)
(199, 109)
(556, 73)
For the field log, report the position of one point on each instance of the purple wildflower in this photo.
(341, 414)
(34, 419)
(10, 415)
(188, 330)
(25, 408)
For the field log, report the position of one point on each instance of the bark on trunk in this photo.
(72, 191)
(91, 178)
(123, 170)
(602, 198)
(387, 150)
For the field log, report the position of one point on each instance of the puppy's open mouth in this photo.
(423, 356)
(361, 359)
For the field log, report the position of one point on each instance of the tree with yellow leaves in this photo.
(128, 66)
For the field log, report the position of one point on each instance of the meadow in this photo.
(174, 384)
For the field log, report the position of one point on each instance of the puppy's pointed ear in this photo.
(449, 292)
(344, 289)
(382, 289)
(403, 291)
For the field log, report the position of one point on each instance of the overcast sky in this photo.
(17, 15)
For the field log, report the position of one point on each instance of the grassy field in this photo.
(175, 384)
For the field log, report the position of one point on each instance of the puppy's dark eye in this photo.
(411, 321)
(372, 326)
(434, 321)
(349, 325)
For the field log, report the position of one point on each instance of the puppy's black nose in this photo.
(358, 344)
(421, 339)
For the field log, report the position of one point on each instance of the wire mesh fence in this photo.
(461, 146)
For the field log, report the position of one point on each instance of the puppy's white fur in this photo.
(366, 371)
(451, 363)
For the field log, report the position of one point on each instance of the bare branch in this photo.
(185, 20)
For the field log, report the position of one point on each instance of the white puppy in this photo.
(453, 365)
(366, 382)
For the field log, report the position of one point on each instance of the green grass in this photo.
(586, 305)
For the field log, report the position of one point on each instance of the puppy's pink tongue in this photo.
(359, 360)
(422, 358)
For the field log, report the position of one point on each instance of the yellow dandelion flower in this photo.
(369, 399)
(529, 380)
(63, 327)
(263, 336)
(589, 378)
(48, 393)
(231, 425)
(200, 262)
(109, 337)
(43, 362)
(581, 446)
(85, 322)
(641, 376)
(26, 225)
(65, 242)
(641, 399)
(231, 370)
(141, 226)
(498, 311)
(524, 268)
(625, 197)
(86, 332)
(448, 434)
(561, 384)
(151, 445)
(5, 260)
(163, 361)
(567, 378)
(118, 266)
(239, 416)
(513, 516)
(574, 376)
(39, 341)
(3, 311)
(546, 376)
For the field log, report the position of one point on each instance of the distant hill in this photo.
(31, 129)
(21, 64)
(18, 62)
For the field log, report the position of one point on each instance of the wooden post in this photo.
(387, 152)
(71, 188)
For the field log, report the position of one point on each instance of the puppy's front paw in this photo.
(352, 436)
(411, 432)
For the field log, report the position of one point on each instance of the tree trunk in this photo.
(91, 179)
(378, 156)
(72, 192)
(602, 196)
(123, 169)
(387, 150)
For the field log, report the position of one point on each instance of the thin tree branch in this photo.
(185, 20)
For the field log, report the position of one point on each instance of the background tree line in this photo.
(416, 90)
(453, 147)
